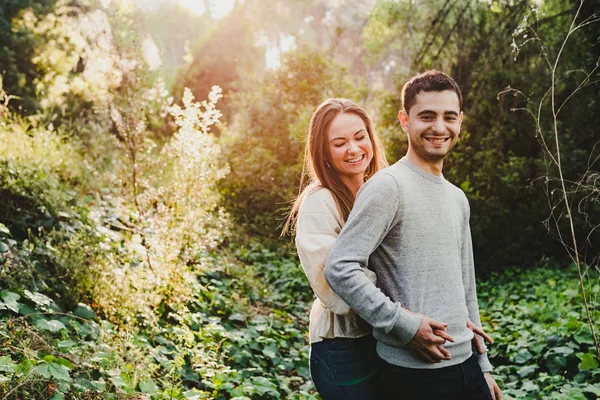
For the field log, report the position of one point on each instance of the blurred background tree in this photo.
(126, 186)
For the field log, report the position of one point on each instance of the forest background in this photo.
(149, 151)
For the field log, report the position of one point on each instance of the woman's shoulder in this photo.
(318, 196)
(319, 199)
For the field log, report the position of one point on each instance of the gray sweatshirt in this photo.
(412, 229)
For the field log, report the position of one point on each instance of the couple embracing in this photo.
(387, 251)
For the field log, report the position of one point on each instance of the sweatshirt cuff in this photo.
(484, 363)
(406, 326)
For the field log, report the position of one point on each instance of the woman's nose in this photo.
(353, 148)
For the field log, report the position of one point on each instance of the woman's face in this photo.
(349, 146)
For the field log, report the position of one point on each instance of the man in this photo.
(411, 227)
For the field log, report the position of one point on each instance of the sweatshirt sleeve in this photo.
(317, 229)
(468, 272)
(375, 211)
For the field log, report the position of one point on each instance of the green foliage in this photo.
(264, 143)
(114, 278)
(16, 49)
(232, 339)
(543, 346)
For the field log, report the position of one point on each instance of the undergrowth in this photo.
(244, 336)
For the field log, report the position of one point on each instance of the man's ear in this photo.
(403, 118)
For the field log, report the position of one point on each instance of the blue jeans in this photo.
(458, 382)
(345, 369)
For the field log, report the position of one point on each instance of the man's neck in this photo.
(431, 167)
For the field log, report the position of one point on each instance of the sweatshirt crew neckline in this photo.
(433, 178)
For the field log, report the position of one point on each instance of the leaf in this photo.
(82, 384)
(195, 394)
(66, 344)
(7, 364)
(52, 325)
(584, 337)
(271, 351)
(38, 298)
(57, 396)
(148, 386)
(523, 356)
(25, 366)
(592, 389)
(10, 300)
(59, 372)
(564, 350)
(42, 370)
(3, 247)
(100, 384)
(189, 374)
(527, 370)
(4, 229)
(84, 311)
(237, 317)
(588, 362)
(263, 386)
(65, 362)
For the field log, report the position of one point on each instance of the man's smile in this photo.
(436, 139)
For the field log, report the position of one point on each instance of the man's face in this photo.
(432, 125)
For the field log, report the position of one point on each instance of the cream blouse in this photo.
(319, 224)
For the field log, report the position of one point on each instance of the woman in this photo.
(342, 151)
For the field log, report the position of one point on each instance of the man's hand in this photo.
(494, 388)
(429, 339)
(478, 331)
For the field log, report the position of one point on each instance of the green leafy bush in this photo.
(543, 345)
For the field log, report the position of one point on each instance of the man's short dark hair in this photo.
(428, 81)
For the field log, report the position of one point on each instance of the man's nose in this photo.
(438, 125)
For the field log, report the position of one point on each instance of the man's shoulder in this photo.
(457, 192)
(385, 180)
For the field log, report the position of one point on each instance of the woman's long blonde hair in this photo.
(317, 172)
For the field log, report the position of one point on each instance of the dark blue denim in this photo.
(345, 369)
(458, 382)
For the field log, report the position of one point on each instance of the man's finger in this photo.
(437, 338)
(498, 392)
(481, 333)
(478, 345)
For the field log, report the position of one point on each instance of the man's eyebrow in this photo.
(341, 137)
(451, 113)
(425, 112)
